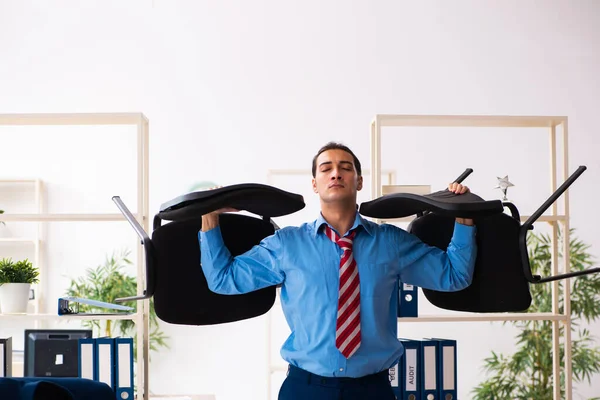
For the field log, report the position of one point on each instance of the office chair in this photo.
(173, 271)
(502, 276)
(52, 388)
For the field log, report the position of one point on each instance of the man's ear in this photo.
(314, 185)
(359, 183)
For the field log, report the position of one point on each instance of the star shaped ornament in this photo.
(503, 184)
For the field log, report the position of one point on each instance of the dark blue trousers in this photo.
(302, 385)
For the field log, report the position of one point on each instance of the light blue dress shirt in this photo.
(306, 263)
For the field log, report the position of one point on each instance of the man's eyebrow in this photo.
(341, 162)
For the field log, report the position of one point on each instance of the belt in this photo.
(309, 377)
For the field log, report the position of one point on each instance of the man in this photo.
(338, 277)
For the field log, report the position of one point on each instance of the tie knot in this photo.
(344, 242)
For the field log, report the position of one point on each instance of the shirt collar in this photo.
(358, 221)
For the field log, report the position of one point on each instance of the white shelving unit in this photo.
(56, 317)
(29, 240)
(141, 318)
(551, 123)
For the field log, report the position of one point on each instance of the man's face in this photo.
(336, 177)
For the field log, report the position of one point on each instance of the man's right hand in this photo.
(211, 220)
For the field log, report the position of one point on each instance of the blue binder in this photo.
(408, 300)
(447, 368)
(396, 380)
(86, 365)
(105, 359)
(409, 369)
(429, 379)
(123, 368)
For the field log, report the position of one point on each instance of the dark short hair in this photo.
(335, 146)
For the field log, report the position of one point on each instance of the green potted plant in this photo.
(108, 282)
(2, 222)
(15, 282)
(528, 372)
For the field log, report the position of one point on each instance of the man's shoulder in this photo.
(294, 230)
(383, 228)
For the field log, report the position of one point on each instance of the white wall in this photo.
(235, 88)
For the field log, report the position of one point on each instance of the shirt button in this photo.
(341, 369)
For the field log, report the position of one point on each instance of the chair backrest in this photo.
(443, 202)
(499, 282)
(181, 294)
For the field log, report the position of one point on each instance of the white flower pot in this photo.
(14, 298)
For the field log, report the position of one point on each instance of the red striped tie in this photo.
(347, 332)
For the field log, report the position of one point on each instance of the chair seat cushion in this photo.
(259, 199)
(10, 388)
(444, 202)
(46, 388)
(42, 390)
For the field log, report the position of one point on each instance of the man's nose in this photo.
(335, 175)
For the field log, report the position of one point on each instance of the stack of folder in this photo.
(108, 360)
(426, 371)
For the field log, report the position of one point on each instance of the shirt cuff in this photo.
(464, 235)
(212, 237)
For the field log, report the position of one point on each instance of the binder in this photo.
(395, 380)
(123, 367)
(409, 369)
(6, 357)
(447, 380)
(109, 360)
(105, 356)
(429, 370)
(408, 300)
(86, 367)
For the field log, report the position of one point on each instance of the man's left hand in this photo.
(457, 188)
